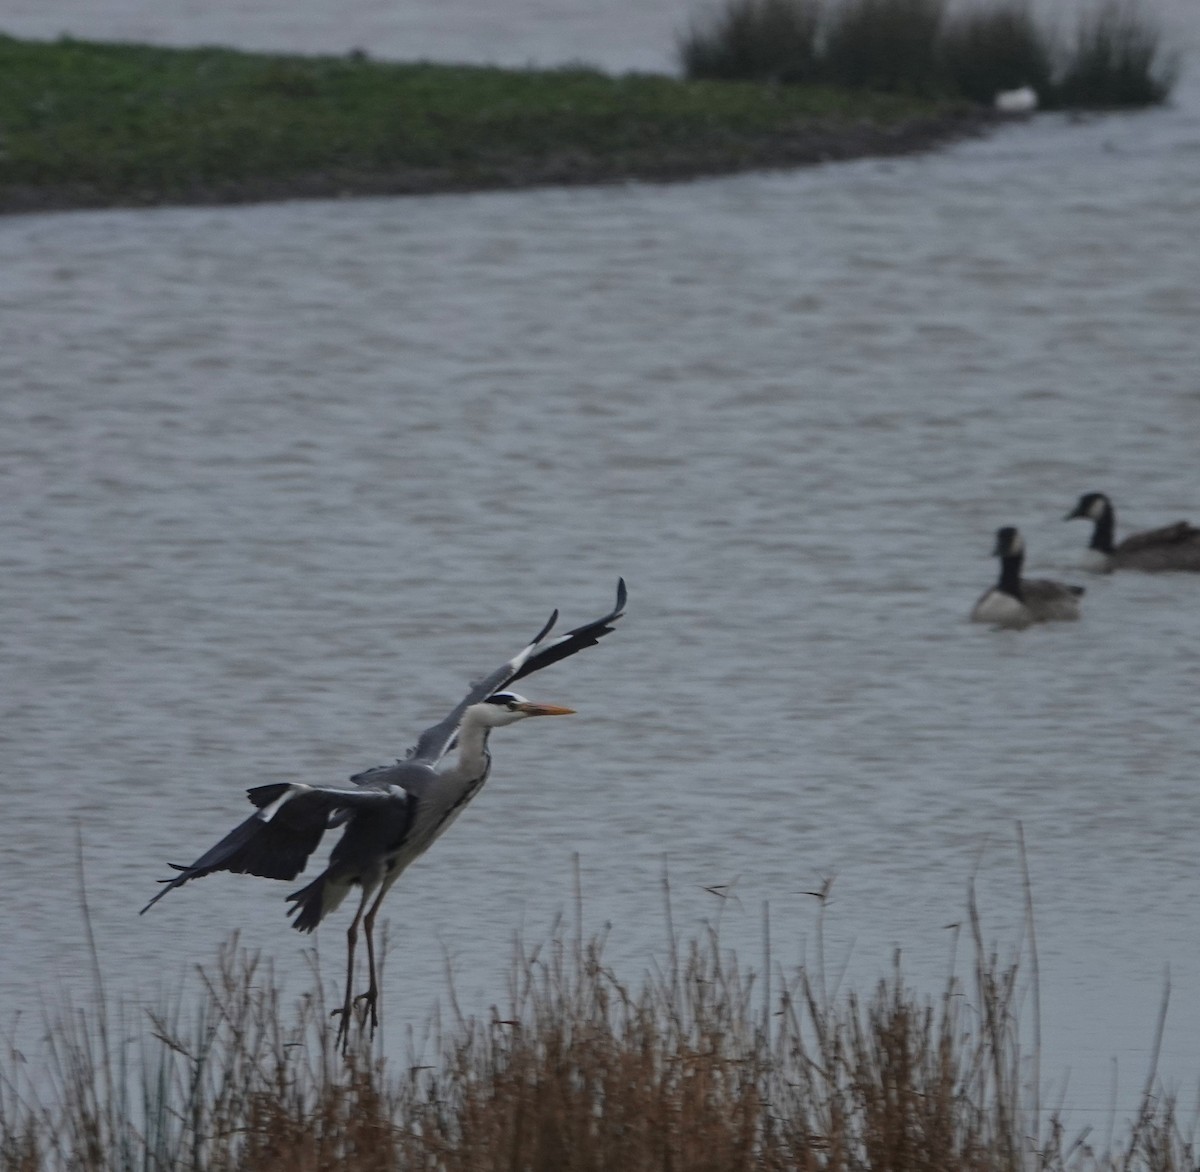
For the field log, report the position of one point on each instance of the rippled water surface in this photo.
(278, 481)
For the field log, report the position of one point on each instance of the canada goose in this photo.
(1015, 601)
(1173, 547)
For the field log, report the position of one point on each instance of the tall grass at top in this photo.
(985, 51)
(696, 1069)
(754, 40)
(1117, 60)
(889, 45)
(917, 47)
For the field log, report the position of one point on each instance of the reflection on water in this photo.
(279, 480)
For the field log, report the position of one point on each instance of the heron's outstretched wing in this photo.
(434, 742)
(277, 840)
(587, 635)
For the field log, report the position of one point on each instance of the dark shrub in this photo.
(887, 45)
(905, 46)
(753, 40)
(983, 52)
(1116, 62)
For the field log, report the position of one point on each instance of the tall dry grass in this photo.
(697, 1068)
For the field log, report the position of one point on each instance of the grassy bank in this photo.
(85, 125)
(698, 1069)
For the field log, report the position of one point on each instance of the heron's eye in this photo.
(504, 699)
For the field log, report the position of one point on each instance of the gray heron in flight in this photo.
(391, 814)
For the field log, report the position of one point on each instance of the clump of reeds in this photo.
(696, 1069)
(754, 40)
(985, 51)
(241, 1083)
(1117, 60)
(915, 47)
(888, 45)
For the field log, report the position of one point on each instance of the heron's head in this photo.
(507, 708)
(1009, 543)
(1092, 505)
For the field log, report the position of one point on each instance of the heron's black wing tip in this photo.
(157, 897)
(546, 629)
(622, 598)
(575, 640)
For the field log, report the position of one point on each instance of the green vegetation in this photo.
(92, 124)
(913, 47)
(698, 1070)
(755, 40)
(983, 51)
(887, 45)
(1116, 62)
(85, 124)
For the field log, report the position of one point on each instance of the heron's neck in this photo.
(1010, 575)
(473, 754)
(1102, 534)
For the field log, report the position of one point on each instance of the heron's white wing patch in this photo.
(332, 796)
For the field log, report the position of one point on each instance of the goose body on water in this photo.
(1019, 602)
(1173, 547)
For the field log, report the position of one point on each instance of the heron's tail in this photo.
(313, 903)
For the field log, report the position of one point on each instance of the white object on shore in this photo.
(1018, 101)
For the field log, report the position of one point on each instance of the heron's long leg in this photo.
(371, 996)
(343, 1034)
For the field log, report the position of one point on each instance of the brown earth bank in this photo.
(813, 142)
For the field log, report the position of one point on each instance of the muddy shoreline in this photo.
(815, 142)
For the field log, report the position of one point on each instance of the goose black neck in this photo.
(1010, 575)
(1102, 532)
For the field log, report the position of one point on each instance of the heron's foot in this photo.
(354, 1010)
(370, 998)
(345, 1015)
(343, 1031)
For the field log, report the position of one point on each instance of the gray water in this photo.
(278, 481)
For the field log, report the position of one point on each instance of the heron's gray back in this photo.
(414, 777)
